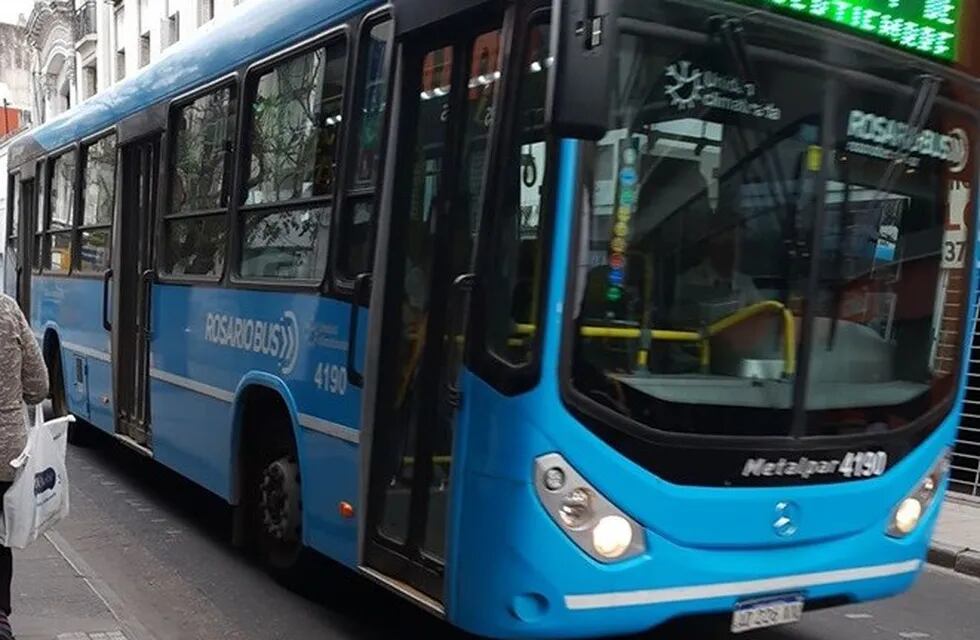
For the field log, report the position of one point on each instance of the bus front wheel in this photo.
(275, 509)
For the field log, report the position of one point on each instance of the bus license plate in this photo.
(770, 612)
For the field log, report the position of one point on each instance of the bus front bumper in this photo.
(531, 581)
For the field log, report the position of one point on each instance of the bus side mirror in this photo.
(581, 82)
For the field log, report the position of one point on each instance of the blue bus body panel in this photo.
(210, 344)
(706, 548)
(256, 29)
(72, 308)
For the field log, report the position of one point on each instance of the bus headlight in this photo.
(907, 514)
(593, 523)
(611, 536)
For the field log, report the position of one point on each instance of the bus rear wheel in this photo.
(78, 433)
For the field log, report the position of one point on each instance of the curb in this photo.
(959, 559)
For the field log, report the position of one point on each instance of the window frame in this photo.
(507, 377)
(37, 245)
(242, 165)
(13, 179)
(340, 281)
(232, 82)
(74, 148)
(79, 225)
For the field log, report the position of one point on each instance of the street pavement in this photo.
(145, 556)
(956, 541)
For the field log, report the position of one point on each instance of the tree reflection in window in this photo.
(202, 147)
(295, 119)
(296, 116)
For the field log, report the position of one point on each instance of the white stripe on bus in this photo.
(730, 589)
(87, 351)
(193, 385)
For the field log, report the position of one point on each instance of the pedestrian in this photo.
(23, 378)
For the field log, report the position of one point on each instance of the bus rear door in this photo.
(131, 282)
(21, 236)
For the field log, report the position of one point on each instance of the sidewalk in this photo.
(956, 541)
(54, 598)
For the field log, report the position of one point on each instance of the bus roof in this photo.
(252, 31)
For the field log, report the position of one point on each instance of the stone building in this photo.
(82, 47)
(15, 78)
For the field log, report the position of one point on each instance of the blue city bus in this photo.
(559, 319)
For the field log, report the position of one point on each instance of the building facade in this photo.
(15, 103)
(15, 79)
(81, 47)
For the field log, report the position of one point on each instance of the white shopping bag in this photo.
(38, 498)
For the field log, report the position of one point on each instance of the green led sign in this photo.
(926, 27)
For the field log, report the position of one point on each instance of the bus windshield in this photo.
(773, 246)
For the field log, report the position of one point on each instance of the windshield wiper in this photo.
(733, 36)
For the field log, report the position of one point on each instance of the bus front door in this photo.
(132, 281)
(426, 239)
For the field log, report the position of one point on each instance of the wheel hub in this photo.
(280, 501)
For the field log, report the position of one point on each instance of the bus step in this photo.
(405, 590)
(135, 446)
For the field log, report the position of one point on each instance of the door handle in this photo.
(462, 286)
(106, 324)
(147, 278)
(362, 288)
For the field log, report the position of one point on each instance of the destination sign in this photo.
(925, 27)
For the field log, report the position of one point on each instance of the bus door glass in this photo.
(27, 213)
(447, 110)
(20, 221)
(133, 289)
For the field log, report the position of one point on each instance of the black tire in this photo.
(274, 510)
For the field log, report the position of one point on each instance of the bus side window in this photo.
(515, 280)
(355, 237)
(57, 245)
(98, 200)
(196, 223)
(39, 213)
(293, 124)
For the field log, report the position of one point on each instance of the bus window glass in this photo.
(356, 220)
(201, 151)
(296, 112)
(94, 250)
(431, 129)
(14, 217)
(57, 248)
(295, 119)
(40, 217)
(374, 98)
(196, 227)
(58, 252)
(697, 248)
(284, 244)
(514, 293)
(62, 192)
(196, 246)
(98, 201)
(99, 175)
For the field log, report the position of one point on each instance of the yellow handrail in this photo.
(702, 337)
